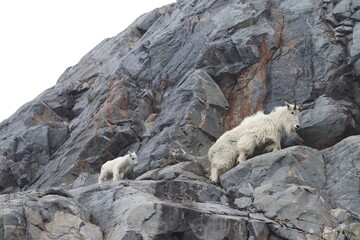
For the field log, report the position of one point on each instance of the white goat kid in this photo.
(117, 167)
(257, 131)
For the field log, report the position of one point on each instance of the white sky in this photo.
(41, 38)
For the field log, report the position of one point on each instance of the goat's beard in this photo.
(290, 129)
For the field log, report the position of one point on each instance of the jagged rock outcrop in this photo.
(302, 187)
(52, 214)
(339, 116)
(167, 87)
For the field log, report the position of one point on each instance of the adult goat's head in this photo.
(292, 117)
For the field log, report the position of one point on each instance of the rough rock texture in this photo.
(167, 87)
(52, 214)
(163, 210)
(302, 187)
(341, 117)
(343, 171)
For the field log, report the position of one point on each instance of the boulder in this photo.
(342, 170)
(300, 207)
(180, 171)
(327, 122)
(39, 215)
(295, 165)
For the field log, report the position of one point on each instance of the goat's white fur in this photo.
(259, 130)
(117, 167)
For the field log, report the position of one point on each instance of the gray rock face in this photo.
(296, 165)
(168, 87)
(23, 154)
(32, 215)
(156, 210)
(343, 168)
(300, 186)
(327, 122)
(297, 206)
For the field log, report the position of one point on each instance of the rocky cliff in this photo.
(167, 87)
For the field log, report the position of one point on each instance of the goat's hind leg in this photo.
(245, 147)
(103, 177)
(271, 145)
(242, 157)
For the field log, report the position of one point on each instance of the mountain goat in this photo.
(117, 167)
(256, 131)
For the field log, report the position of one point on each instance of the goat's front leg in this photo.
(274, 146)
(117, 175)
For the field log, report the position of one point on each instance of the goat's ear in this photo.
(288, 105)
(300, 108)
